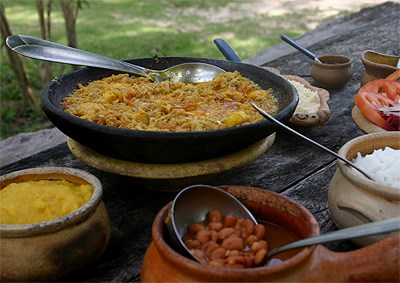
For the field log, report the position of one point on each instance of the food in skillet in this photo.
(140, 104)
(379, 101)
(227, 241)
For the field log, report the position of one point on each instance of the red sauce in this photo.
(278, 236)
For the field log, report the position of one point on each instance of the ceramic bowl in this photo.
(311, 119)
(377, 65)
(162, 263)
(51, 249)
(353, 198)
(334, 71)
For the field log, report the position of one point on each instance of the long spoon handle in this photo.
(37, 48)
(226, 50)
(303, 50)
(272, 119)
(374, 228)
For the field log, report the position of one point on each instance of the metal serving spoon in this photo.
(303, 50)
(369, 229)
(49, 51)
(192, 204)
(230, 54)
(272, 119)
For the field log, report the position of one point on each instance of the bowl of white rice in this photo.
(355, 199)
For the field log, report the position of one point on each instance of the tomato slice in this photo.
(394, 76)
(377, 94)
(389, 88)
(369, 103)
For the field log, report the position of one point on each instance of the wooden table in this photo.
(291, 167)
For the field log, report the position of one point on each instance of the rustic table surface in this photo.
(290, 167)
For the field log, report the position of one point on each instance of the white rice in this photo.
(382, 165)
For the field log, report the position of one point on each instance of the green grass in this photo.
(125, 29)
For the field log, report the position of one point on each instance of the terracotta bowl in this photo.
(313, 264)
(334, 71)
(353, 198)
(377, 65)
(51, 249)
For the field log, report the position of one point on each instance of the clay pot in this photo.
(48, 250)
(334, 71)
(376, 262)
(377, 65)
(353, 198)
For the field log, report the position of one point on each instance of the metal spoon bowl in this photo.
(193, 203)
(37, 48)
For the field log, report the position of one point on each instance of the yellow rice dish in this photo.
(138, 103)
(37, 201)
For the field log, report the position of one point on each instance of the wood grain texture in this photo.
(291, 166)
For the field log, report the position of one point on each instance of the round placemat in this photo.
(179, 171)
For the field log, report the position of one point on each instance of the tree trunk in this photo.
(45, 72)
(17, 64)
(70, 15)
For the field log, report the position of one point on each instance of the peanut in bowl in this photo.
(49, 249)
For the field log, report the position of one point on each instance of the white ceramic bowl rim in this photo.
(357, 178)
(53, 225)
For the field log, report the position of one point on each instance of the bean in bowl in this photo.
(228, 241)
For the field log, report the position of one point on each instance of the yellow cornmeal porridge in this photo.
(37, 201)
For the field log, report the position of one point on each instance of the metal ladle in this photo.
(49, 51)
(230, 54)
(272, 119)
(192, 204)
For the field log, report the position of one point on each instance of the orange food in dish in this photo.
(138, 103)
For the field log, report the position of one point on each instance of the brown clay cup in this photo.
(377, 65)
(334, 71)
(312, 264)
(48, 250)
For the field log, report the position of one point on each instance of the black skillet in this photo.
(165, 147)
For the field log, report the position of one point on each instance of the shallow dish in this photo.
(165, 147)
(311, 119)
(171, 177)
(51, 249)
(378, 262)
(354, 199)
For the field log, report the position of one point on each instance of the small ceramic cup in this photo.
(377, 65)
(353, 198)
(51, 249)
(334, 71)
